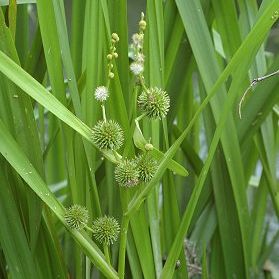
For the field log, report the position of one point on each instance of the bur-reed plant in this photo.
(149, 157)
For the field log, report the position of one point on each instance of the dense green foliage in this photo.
(127, 157)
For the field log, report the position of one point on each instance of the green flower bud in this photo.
(149, 147)
(142, 25)
(111, 75)
(115, 37)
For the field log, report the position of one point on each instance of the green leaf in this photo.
(252, 42)
(42, 96)
(12, 237)
(12, 17)
(204, 264)
(23, 126)
(6, 2)
(13, 154)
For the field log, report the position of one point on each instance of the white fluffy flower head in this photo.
(136, 68)
(138, 40)
(101, 93)
(139, 58)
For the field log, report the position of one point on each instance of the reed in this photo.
(154, 156)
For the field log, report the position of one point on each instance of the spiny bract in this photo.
(106, 230)
(108, 135)
(76, 217)
(155, 102)
(126, 173)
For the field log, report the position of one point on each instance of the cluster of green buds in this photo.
(102, 92)
(104, 229)
(112, 54)
(131, 172)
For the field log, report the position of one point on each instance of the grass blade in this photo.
(11, 151)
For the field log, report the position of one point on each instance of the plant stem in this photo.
(122, 248)
(106, 252)
(137, 122)
(142, 83)
(87, 268)
(117, 156)
(88, 228)
(104, 113)
(108, 83)
(140, 117)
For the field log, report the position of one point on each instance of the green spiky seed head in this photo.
(126, 173)
(147, 166)
(155, 102)
(76, 217)
(107, 135)
(106, 230)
